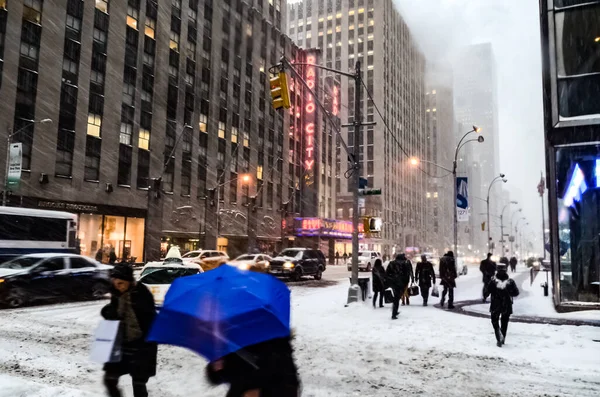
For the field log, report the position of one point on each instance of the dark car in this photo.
(37, 277)
(297, 262)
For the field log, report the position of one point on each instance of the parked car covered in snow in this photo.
(366, 260)
(38, 277)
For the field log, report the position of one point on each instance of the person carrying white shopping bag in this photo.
(132, 307)
(106, 347)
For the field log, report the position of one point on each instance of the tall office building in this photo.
(475, 90)
(394, 73)
(440, 126)
(159, 109)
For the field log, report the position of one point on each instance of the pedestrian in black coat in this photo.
(513, 264)
(394, 280)
(133, 305)
(502, 290)
(378, 282)
(266, 369)
(408, 277)
(425, 277)
(488, 269)
(448, 276)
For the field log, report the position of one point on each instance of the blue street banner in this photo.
(462, 199)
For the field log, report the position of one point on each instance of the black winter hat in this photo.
(123, 272)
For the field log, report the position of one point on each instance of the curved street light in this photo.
(502, 178)
(460, 144)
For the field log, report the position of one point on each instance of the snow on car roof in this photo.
(54, 254)
(187, 265)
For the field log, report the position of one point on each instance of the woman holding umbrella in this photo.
(240, 322)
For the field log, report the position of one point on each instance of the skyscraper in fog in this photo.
(475, 90)
(375, 33)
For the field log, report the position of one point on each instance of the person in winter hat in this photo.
(502, 290)
(488, 269)
(425, 277)
(378, 282)
(395, 280)
(448, 275)
(133, 305)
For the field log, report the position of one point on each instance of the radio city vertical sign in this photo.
(311, 134)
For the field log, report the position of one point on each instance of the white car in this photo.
(158, 276)
(257, 261)
(366, 260)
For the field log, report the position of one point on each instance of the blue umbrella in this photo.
(222, 311)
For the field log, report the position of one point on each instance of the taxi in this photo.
(158, 276)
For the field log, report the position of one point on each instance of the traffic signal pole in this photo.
(353, 158)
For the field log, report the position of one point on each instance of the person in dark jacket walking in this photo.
(378, 282)
(448, 276)
(488, 269)
(513, 264)
(425, 277)
(133, 305)
(266, 369)
(112, 256)
(394, 280)
(408, 277)
(502, 290)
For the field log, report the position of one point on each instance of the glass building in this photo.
(571, 73)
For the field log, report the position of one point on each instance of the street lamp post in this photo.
(9, 136)
(502, 225)
(460, 144)
(414, 161)
(510, 230)
(487, 202)
(518, 231)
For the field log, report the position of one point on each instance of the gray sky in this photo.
(512, 26)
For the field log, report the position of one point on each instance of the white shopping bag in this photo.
(106, 347)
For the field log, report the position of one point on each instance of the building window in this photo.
(174, 41)
(221, 130)
(186, 176)
(133, 16)
(144, 139)
(102, 5)
(92, 159)
(203, 121)
(64, 153)
(259, 172)
(150, 27)
(94, 124)
(234, 134)
(126, 133)
(32, 11)
(143, 170)
(124, 173)
(128, 94)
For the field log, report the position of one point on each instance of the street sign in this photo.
(363, 183)
(369, 192)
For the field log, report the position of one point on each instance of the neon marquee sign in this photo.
(309, 128)
(313, 227)
(335, 106)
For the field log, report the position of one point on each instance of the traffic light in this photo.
(483, 226)
(280, 91)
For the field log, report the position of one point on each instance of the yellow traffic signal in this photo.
(280, 92)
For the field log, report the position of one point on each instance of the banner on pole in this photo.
(462, 199)
(15, 158)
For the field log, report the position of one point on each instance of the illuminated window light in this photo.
(577, 187)
(597, 172)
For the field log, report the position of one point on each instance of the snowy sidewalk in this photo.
(341, 352)
(531, 306)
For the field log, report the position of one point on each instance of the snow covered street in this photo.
(353, 351)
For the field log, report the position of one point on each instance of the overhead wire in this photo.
(393, 135)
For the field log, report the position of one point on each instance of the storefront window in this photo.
(114, 235)
(134, 239)
(578, 189)
(90, 236)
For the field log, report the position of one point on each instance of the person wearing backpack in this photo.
(502, 290)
